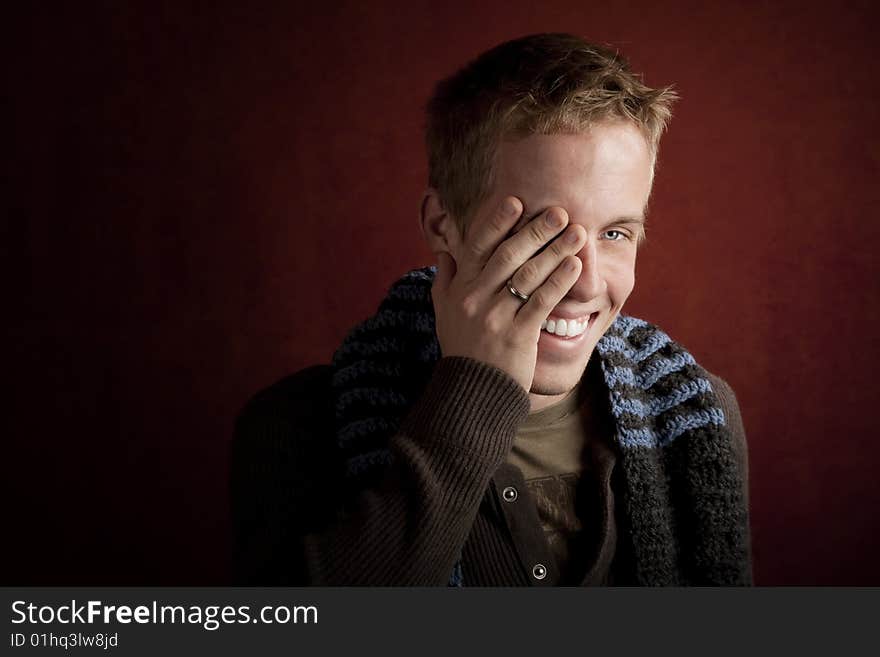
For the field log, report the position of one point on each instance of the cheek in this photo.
(621, 284)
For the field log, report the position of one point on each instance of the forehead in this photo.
(605, 170)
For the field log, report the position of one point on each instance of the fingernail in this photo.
(554, 220)
(510, 206)
(572, 237)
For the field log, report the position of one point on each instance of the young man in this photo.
(499, 421)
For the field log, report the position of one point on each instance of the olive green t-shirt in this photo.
(565, 456)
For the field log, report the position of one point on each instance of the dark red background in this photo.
(203, 200)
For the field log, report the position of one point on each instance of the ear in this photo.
(438, 226)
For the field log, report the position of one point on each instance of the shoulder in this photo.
(282, 474)
(301, 394)
(292, 414)
(729, 404)
(658, 352)
(726, 395)
(650, 344)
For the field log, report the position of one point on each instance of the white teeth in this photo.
(566, 328)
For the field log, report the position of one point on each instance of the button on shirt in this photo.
(566, 462)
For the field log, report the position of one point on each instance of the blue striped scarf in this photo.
(684, 512)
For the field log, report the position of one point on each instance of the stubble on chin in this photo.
(553, 384)
(550, 389)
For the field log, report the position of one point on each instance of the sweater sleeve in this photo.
(410, 528)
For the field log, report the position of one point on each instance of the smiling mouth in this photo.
(568, 328)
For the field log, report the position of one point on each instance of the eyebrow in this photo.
(634, 219)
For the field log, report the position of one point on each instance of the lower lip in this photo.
(559, 342)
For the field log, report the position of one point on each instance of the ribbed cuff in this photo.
(470, 405)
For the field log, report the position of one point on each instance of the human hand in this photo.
(476, 315)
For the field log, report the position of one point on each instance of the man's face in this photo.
(602, 178)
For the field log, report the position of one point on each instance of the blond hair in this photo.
(539, 84)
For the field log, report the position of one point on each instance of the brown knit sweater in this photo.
(441, 499)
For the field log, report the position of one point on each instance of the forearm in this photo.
(410, 529)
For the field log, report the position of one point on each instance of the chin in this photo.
(559, 368)
(552, 381)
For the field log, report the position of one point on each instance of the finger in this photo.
(549, 294)
(513, 252)
(445, 271)
(485, 234)
(538, 268)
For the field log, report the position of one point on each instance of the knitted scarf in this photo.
(683, 508)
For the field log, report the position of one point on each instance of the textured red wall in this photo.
(203, 201)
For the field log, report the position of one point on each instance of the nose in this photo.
(591, 283)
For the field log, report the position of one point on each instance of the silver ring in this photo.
(519, 295)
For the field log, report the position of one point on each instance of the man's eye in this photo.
(614, 235)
